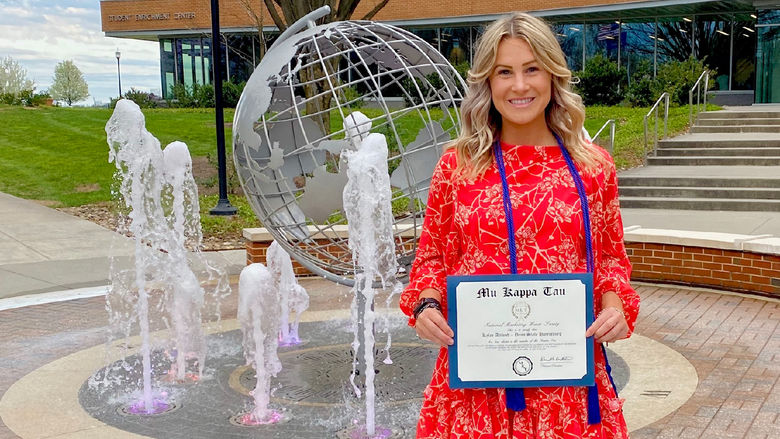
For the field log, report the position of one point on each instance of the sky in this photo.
(40, 34)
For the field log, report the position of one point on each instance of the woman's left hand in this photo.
(610, 325)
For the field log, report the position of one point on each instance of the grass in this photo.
(60, 155)
(226, 225)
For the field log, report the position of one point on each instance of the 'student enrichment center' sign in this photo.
(153, 17)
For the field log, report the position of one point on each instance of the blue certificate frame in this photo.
(455, 380)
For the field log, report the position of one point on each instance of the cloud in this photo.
(77, 11)
(11, 12)
(40, 36)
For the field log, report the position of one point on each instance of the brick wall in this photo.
(697, 266)
(724, 269)
(256, 252)
(233, 13)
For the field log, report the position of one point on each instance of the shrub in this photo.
(141, 98)
(182, 96)
(643, 89)
(231, 92)
(678, 77)
(353, 97)
(23, 97)
(203, 95)
(463, 69)
(41, 98)
(601, 81)
(26, 97)
(428, 87)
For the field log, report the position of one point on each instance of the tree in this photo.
(69, 84)
(286, 12)
(13, 80)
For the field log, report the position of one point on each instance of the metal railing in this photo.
(611, 124)
(654, 109)
(699, 93)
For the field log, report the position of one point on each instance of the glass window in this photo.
(713, 45)
(208, 74)
(602, 38)
(675, 39)
(241, 57)
(768, 69)
(187, 62)
(743, 76)
(570, 38)
(456, 44)
(638, 50)
(167, 66)
(431, 36)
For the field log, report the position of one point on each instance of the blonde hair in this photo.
(481, 122)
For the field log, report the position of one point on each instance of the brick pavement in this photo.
(732, 341)
(734, 344)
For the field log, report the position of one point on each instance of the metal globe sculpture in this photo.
(288, 133)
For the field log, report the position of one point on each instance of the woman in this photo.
(519, 98)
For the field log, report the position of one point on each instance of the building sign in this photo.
(153, 17)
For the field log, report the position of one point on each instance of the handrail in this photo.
(654, 109)
(696, 86)
(611, 124)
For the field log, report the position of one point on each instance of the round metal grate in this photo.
(320, 376)
(160, 408)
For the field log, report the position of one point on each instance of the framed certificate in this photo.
(520, 330)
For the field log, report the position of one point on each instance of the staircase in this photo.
(729, 161)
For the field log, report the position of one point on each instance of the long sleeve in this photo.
(613, 270)
(429, 267)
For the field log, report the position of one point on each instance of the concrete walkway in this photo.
(43, 250)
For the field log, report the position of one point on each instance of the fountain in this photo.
(370, 217)
(159, 195)
(304, 182)
(266, 298)
(259, 311)
(293, 297)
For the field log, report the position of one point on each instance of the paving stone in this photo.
(732, 341)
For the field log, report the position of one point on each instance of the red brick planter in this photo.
(713, 267)
(742, 263)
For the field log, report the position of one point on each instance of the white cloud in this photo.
(77, 11)
(16, 12)
(39, 36)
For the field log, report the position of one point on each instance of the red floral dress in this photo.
(465, 233)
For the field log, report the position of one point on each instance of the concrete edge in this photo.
(52, 297)
(340, 231)
(765, 244)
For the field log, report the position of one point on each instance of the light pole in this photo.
(223, 206)
(118, 73)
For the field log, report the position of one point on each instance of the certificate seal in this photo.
(521, 310)
(522, 366)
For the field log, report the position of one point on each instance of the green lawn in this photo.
(60, 155)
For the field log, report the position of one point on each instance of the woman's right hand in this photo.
(431, 325)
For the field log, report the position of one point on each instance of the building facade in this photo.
(739, 39)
